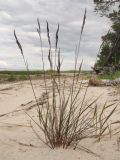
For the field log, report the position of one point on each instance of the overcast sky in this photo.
(22, 15)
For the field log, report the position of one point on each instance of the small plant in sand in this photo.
(94, 81)
(65, 119)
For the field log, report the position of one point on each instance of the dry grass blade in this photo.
(88, 151)
(59, 62)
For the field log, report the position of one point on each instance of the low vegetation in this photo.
(110, 76)
(94, 81)
(22, 75)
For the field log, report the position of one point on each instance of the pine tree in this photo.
(110, 48)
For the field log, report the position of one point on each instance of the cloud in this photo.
(22, 16)
(3, 63)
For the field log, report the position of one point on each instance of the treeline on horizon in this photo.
(34, 72)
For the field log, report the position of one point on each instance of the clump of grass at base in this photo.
(65, 119)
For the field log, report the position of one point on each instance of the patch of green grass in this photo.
(110, 76)
(21, 72)
(12, 78)
(18, 75)
(22, 77)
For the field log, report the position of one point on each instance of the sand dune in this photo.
(18, 141)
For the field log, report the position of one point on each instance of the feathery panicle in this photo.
(48, 34)
(39, 28)
(26, 65)
(18, 43)
(49, 41)
(57, 38)
(84, 19)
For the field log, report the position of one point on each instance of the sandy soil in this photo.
(18, 141)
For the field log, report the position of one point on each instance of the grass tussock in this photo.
(65, 119)
(95, 82)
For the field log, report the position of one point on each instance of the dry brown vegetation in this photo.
(95, 82)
